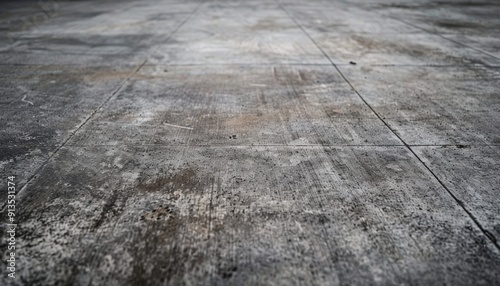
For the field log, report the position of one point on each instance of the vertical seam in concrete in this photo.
(120, 86)
(488, 234)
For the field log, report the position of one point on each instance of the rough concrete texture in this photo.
(255, 142)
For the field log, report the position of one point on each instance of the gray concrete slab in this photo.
(242, 214)
(257, 105)
(435, 105)
(239, 35)
(44, 104)
(168, 142)
(469, 23)
(385, 39)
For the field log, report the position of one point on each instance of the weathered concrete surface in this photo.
(232, 142)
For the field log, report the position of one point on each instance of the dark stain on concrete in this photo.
(454, 24)
(182, 180)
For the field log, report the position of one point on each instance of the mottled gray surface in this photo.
(216, 142)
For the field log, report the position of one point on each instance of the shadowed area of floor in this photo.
(169, 142)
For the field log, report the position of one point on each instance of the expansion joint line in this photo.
(22, 190)
(488, 234)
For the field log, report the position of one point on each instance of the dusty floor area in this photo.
(255, 142)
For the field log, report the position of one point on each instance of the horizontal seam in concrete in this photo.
(247, 64)
(488, 234)
(65, 65)
(459, 146)
(232, 146)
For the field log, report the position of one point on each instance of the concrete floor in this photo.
(216, 142)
